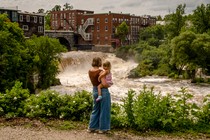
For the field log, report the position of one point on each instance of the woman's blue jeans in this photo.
(101, 114)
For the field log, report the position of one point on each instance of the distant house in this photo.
(31, 23)
(12, 13)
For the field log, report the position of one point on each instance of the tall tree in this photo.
(182, 52)
(154, 35)
(47, 20)
(175, 21)
(45, 52)
(14, 64)
(201, 19)
(122, 32)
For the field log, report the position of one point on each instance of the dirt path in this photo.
(23, 133)
(32, 129)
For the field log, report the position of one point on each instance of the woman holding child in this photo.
(100, 118)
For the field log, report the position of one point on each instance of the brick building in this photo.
(99, 29)
(31, 23)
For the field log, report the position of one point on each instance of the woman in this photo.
(100, 118)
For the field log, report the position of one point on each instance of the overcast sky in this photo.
(137, 7)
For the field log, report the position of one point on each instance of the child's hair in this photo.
(96, 62)
(107, 64)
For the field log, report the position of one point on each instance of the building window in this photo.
(61, 16)
(40, 29)
(28, 18)
(106, 20)
(61, 23)
(40, 20)
(106, 28)
(25, 27)
(14, 14)
(82, 21)
(35, 19)
(113, 30)
(21, 18)
(97, 28)
(56, 16)
(64, 23)
(98, 20)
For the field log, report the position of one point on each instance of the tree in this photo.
(154, 35)
(67, 6)
(200, 18)
(182, 52)
(47, 20)
(41, 10)
(14, 63)
(122, 31)
(191, 51)
(46, 53)
(201, 47)
(56, 8)
(175, 21)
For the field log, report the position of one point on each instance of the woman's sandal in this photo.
(91, 130)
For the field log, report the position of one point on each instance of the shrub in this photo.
(12, 102)
(44, 104)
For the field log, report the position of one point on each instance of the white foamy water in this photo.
(74, 77)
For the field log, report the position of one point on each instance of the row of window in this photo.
(28, 19)
(40, 28)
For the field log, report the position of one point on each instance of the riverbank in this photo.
(32, 129)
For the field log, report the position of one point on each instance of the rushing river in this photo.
(74, 77)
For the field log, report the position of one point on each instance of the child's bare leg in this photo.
(99, 92)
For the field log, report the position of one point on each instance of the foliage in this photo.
(56, 8)
(47, 20)
(122, 31)
(143, 111)
(67, 6)
(175, 21)
(12, 102)
(200, 18)
(50, 104)
(148, 110)
(191, 51)
(14, 64)
(154, 35)
(45, 53)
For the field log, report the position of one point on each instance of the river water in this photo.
(74, 77)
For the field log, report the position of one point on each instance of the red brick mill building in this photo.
(98, 30)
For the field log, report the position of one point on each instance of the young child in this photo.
(108, 77)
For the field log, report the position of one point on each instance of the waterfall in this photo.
(74, 77)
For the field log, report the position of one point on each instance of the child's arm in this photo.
(103, 73)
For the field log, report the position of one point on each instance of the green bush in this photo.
(50, 104)
(148, 110)
(44, 104)
(77, 107)
(12, 102)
